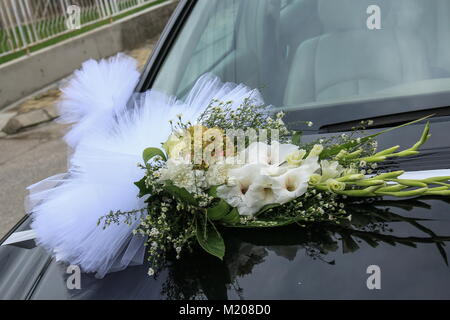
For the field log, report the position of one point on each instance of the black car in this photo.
(334, 63)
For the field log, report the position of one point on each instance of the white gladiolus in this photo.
(295, 181)
(315, 151)
(264, 190)
(262, 153)
(330, 169)
(255, 185)
(239, 182)
(296, 158)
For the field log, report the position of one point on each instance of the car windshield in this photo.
(317, 55)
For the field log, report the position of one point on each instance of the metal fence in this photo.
(24, 23)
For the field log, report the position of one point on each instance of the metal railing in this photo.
(24, 23)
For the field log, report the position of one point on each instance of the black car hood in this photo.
(405, 238)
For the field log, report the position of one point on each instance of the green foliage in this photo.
(143, 190)
(151, 153)
(181, 194)
(334, 150)
(231, 218)
(296, 138)
(219, 211)
(209, 237)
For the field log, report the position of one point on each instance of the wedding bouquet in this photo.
(220, 158)
(244, 168)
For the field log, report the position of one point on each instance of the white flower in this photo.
(251, 187)
(264, 190)
(309, 123)
(217, 174)
(296, 157)
(263, 153)
(181, 174)
(174, 145)
(294, 182)
(315, 151)
(273, 170)
(235, 191)
(151, 272)
(330, 169)
(334, 185)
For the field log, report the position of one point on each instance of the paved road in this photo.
(27, 158)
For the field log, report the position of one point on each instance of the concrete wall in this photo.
(26, 75)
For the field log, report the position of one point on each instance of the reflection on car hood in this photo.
(406, 238)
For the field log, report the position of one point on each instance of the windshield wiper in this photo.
(387, 120)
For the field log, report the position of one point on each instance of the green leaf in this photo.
(142, 187)
(267, 207)
(231, 218)
(150, 153)
(213, 191)
(209, 238)
(296, 138)
(218, 211)
(181, 194)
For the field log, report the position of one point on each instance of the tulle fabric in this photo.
(97, 92)
(108, 143)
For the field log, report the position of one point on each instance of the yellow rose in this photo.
(175, 146)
